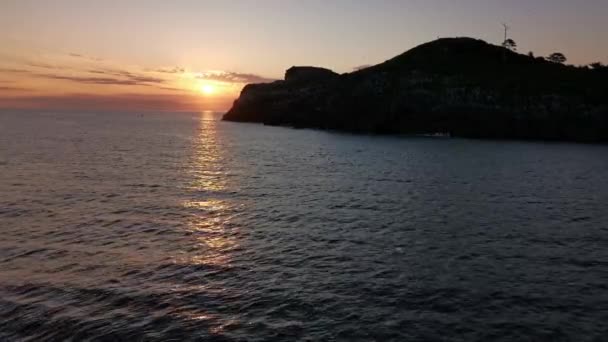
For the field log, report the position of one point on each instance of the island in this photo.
(460, 87)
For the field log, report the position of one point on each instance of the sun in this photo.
(207, 89)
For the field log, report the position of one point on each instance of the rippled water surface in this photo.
(183, 227)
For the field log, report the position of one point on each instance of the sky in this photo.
(192, 55)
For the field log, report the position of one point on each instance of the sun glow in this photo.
(207, 89)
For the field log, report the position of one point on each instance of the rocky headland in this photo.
(457, 86)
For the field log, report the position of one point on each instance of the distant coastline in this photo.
(462, 87)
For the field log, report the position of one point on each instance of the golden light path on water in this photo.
(210, 236)
(214, 236)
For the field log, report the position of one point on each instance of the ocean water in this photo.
(178, 227)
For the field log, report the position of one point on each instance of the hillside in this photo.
(461, 86)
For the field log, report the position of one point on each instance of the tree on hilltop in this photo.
(510, 44)
(557, 57)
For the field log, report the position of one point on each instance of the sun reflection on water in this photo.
(213, 234)
(208, 172)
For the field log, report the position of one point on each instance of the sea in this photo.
(183, 227)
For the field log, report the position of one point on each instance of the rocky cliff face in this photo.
(460, 86)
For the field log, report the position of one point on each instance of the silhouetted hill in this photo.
(461, 86)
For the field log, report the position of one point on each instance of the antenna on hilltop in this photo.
(507, 28)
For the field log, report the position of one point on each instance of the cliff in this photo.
(460, 86)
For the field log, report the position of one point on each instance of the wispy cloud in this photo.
(13, 71)
(79, 55)
(172, 70)
(115, 77)
(234, 77)
(45, 66)
(10, 88)
(139, 78)
(171, 89)
(93, 80)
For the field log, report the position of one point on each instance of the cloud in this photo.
(93, 80)
(45, 66)
(114, 77)
(79, 55)
(9, 88)
(14, 71)
(234, 77)
(129, 75)
(171, 88)
(173, 70)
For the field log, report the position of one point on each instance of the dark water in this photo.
(182, 227)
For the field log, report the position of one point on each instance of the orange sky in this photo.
(46, 79)
(159, 55)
